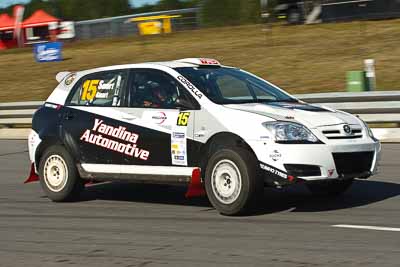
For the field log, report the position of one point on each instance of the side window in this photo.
(156, 89)
(100, 89)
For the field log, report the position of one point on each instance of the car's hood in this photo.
(310, 115)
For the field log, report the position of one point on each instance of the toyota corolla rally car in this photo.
(197, 123)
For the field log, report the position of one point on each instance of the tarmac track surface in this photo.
(136, 225)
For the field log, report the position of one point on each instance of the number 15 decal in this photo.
(89, 89)
(183, 118)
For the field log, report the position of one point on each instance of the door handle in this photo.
(68, 115)
(129, 117)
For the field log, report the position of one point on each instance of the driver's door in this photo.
(164, 126)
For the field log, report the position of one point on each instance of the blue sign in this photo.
(48, 52)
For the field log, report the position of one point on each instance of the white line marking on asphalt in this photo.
(366, 227)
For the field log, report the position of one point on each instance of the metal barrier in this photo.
(117, 26)
(373, 107)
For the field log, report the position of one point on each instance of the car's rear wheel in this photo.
(329, 188)
(231, 181)
(59, 177)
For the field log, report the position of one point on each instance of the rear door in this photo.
(92, 128)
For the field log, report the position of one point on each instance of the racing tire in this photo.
(232, 182)
(59, 176)
(329, 188)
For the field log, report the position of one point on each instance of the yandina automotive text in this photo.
(130, 148)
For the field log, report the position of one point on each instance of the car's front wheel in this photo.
(59, 177)
(232, 184)
(329, 188)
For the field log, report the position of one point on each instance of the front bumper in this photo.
(340, 160)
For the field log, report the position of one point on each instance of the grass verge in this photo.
(300, 59)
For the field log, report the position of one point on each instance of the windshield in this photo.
(232, 86)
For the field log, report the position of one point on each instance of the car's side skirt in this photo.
(137, 173)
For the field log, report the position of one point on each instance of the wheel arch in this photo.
(45, 144)
(221, 140)
(49, 141)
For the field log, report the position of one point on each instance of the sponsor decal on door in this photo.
(163, 118)
(100, 135)
(179, 139)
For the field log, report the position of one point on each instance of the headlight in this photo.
(369, 131)
(291, 133)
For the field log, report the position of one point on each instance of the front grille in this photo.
(345, 137)
(353, 164)
(340, 134)
(331, 132)
(300, 170)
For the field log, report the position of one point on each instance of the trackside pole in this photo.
(369, 67)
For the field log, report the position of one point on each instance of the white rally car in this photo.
(194, 122)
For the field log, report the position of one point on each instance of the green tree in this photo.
(81, 10)
(168, 5)
(92, 9)
(36, 5)
(143, 9)
(190, 3)
(230, 12)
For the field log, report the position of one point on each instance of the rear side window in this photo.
(100, 89)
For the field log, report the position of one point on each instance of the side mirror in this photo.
(184, 104)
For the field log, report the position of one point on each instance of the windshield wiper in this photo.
(291, 100)
(262, 101)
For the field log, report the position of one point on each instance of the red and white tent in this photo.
(6, 22)
(10, 28)
(7, 26)
(38, 19)
(39, 27)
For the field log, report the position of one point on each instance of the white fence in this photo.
(379, 107)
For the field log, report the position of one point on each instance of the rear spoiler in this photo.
(61, 75)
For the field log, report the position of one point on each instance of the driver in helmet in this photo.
(159, 97)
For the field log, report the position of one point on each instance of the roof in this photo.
(6, 22)
(180, 63)
(175, 64)
(190, 62)
(39, 18)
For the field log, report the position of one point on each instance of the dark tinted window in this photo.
(156, 89)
